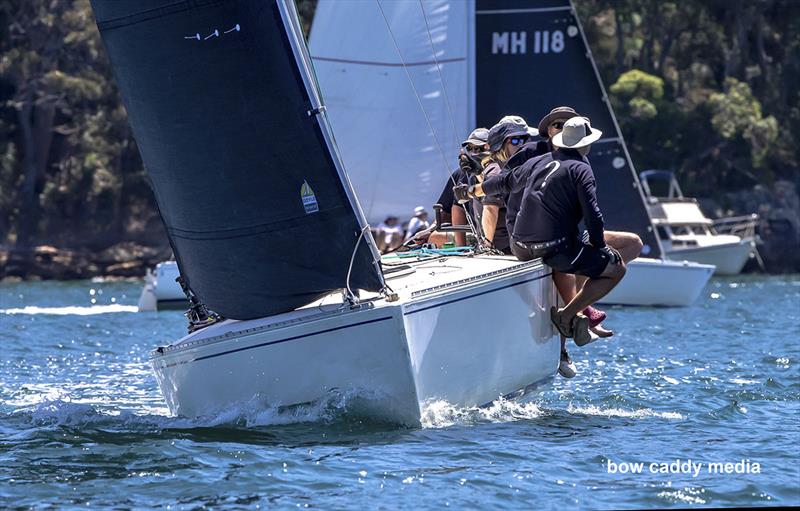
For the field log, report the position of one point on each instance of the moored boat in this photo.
(687, 234)
(161, 290)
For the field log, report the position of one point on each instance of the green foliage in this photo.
(707, 87)
(636, 83)
(89, 185)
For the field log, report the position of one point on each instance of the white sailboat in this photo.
(495, 58)
(687, 234)
(247, 176)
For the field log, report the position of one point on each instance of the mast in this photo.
(291, 20)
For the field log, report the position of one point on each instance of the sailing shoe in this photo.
(566, 367)
(596, 316)
(580, 329)
(564, 327)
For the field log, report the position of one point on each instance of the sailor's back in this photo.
(560, 184)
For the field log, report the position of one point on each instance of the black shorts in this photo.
(579, 258)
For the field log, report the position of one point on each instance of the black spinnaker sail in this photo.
(531, 56)
(258, 213)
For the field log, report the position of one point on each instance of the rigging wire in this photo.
(349, 295)
(441, 76)
(422, 107)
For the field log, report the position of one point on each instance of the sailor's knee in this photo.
(616, 271)
(636, 245)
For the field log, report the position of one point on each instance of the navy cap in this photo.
(509, 126)
(479, 136)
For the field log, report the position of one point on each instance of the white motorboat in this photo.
(497, 57)
(687, 234)
(245, 181)
(161, 291)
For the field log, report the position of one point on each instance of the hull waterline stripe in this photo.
(476, 294)
(388, 64)
(261, 345)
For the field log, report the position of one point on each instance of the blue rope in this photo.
(424, 251)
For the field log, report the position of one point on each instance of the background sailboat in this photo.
(267, 231)
(516, 57)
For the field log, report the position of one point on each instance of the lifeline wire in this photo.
(424, 113)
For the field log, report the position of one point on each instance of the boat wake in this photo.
(441, 414)
(63, 412)
(73, 310)
(338, 408)
(640, 413)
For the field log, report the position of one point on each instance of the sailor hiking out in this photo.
(567, 284)
(559, 191)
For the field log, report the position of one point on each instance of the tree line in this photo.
(705, 87)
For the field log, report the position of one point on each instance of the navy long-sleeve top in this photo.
(514, 199)
(559, 191)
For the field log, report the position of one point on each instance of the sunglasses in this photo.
(557, 125)
(473, 148)
(518, 140)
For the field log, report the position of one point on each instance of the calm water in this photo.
(82, 422)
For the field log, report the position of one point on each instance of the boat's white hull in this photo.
(658, 282)
(729, 258)
(161, 290)
(466, 342)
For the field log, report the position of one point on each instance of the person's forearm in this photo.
(489, 220)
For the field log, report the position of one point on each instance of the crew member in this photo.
(567, 285)
(475, 145)
(558, 193)
(505, 138)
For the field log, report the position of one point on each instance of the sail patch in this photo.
(308, 198)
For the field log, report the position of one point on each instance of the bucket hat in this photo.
(577, 132)
(509, 126)
(559, 112)
(479, 136)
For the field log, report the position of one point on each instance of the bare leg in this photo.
(628, 245)
(565, 283)
(595, 289)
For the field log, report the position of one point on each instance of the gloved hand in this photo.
(613, 256)
(462, 193)
(469, 164)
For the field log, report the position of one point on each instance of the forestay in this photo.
(393, 158)
(257, 209)
(531, 56)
